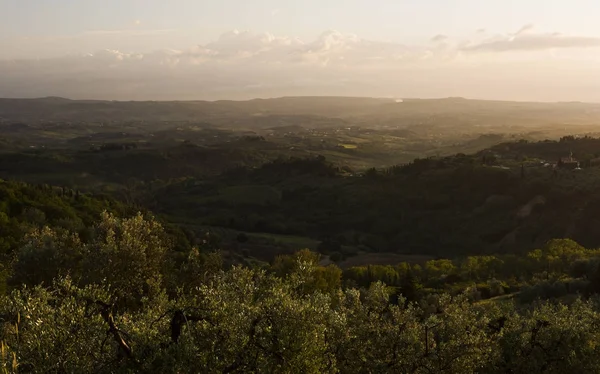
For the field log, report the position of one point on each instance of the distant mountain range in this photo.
(375, 111)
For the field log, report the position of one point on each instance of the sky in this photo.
(537, 50)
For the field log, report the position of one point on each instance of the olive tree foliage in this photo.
(552, 338)
(240, 321)
(248, 321)
(126, 255)
(53, 330)
(106, 311)
(45, 255)
(244, 320)
(302, 268)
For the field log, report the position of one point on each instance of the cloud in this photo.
(525, 40)
(244, 64)
(524, 29)
(439, 38)
(331, 48)
(129, 32)
(237, 64)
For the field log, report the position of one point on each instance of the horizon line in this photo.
(397, 99)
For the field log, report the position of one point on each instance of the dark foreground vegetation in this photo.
(125, 301)
(299, 236)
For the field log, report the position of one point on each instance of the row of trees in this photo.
(559, 257)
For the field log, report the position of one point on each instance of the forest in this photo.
(299, 235)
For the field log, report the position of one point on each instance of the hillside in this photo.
(450, 233)
(440, 207)
(335, 189)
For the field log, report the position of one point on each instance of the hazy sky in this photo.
(30, 27)
(521, 49)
